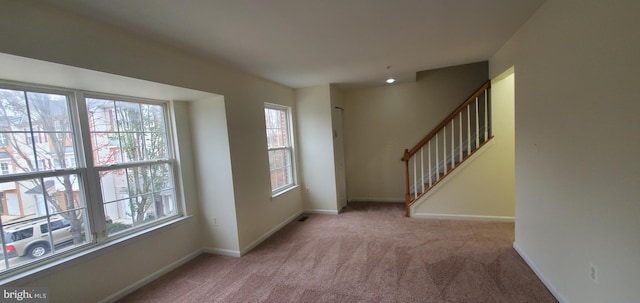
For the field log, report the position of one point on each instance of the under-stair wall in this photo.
(483, 186)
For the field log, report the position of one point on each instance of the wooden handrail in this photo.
(415, 149)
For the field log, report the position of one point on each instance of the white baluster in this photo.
(453, 143)
(437, 160)
(477, 125)
(460, 145)
(444, 149)
(468, 129)
(415, 181)
(429, 154)
(486, 116)
(422, 168)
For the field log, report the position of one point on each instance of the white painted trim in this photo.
(463, 217)
(535, 269)
(150, 278)
(269, 233)
(321, 211)
(450, 176)
(389, 200)
(222, 252)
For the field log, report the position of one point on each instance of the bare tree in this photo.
(23, 110)
(140, 136)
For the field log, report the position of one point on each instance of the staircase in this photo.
(452, 142)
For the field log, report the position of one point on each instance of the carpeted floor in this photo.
(369, 253)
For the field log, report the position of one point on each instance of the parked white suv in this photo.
(32, 238)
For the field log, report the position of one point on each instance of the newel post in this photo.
(406, 182)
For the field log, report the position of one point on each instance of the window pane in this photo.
(41, 217)
(124, 132)
(35, 132)
(137, 195)
(277, 127)
(165, 203)
(281, 169)
(116, 210)
(104, 140)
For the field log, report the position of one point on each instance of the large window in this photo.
(79, 170)
(280, 147)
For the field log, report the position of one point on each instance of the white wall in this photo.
(483, 187)
(315, 142)
(35, 30)
(577, 144)
(381, 122)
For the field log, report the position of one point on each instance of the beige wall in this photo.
(484, 186)
(381, 122)
(315, 142)
(216, 196)
(577, 143)
(337, 122)
(37, 31)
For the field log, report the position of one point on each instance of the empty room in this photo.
(319, 151)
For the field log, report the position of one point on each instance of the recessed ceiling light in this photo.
(390, 78)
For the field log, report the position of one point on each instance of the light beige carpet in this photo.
(369, 253)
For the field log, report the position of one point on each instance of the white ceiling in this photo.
(303, 43)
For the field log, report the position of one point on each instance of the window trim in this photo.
(291, 148)
(100, 242)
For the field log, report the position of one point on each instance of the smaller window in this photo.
(4, 168)
(280, 147)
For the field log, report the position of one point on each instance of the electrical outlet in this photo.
(214, 221)
(593, 273)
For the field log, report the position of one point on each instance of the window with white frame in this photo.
(132, 155)
(59, 145)
(280, 147)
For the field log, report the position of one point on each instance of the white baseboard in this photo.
(463, 217)
(148, 279)
(269, 233)
(390, 200)
(222, 252)
(535, 269)
(321, 211)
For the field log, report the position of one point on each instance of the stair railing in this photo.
(449, 144)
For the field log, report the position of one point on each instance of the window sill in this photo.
(63, 261)
(284, 191)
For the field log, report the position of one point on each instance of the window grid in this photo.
(279, 147)
(46, 180)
